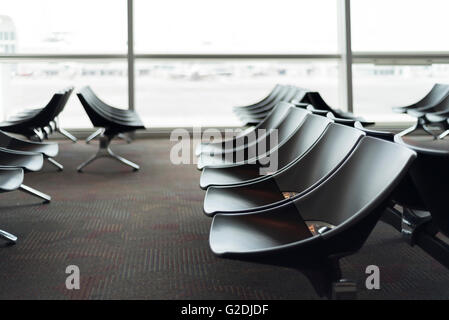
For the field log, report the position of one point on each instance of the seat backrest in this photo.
(101, 117)
(285, 128)
(363, 182)
(315, 99)
(385, 135)
(107, 109)
(302, 140)
(335, 144)
(96, 117)
(438, 92)
(442, 106)
(276, 115)
(46, 114)
(430, 177)
(66, 92)
(292, 121)
(346, 122)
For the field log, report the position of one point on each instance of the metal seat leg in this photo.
(444, 134)
(67, 134)
(55, 163)
(105, 151)
(8, 236)
(94, 135)
(125, 137)
(38, 135)
(35, 193)
(418, 125)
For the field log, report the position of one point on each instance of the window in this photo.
(400, 25)
(65, 26)
(235, 26)
(202, 93)
(377, 88)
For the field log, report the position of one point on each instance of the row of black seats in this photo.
(431, 111)
(333, 180)
(256, 113)
(40, 123)
(18, 156)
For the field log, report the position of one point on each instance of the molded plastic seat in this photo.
(310, 170)
(29, 123)
(315, 99)
(272, 121)
(432, 98)
(384, 135)
(10, 179)
(297, 145)
(255, 116)
(284, 93)
(114, 121)
(439, 114)
(105, 117)
(277, 90)
(30, 161)
(430, 176)
(9, 142)
(257, 148)
(331, 221)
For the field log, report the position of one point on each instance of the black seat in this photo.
(270, 103)
(310, 170)
(256, 116)
(34, 123)
(346, 121)
(432, 98)
(10, 179)
(384, 135)
(113, 121)
(297, 145)
(314, 230)
(270, 122)
(316, 100)
(257, 148)
(48, 150)
(277, 90)
(28, 161)
(438, 114)
(430, 176)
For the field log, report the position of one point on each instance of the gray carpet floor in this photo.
(142, 235)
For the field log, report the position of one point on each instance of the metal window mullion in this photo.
(344, 44)
(131, 57)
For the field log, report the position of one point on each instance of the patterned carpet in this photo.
(142, 235)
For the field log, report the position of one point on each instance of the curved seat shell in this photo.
(345, 200)
(329, 152)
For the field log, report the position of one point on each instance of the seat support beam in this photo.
(55, 163)
(35, 193)
(420, 124)
(94, 135)
(8, 236)
(105, 151)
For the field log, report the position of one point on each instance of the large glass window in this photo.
(399, 25)
(236, 26)
(64, 26)
(377, 88)
(202, 93)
